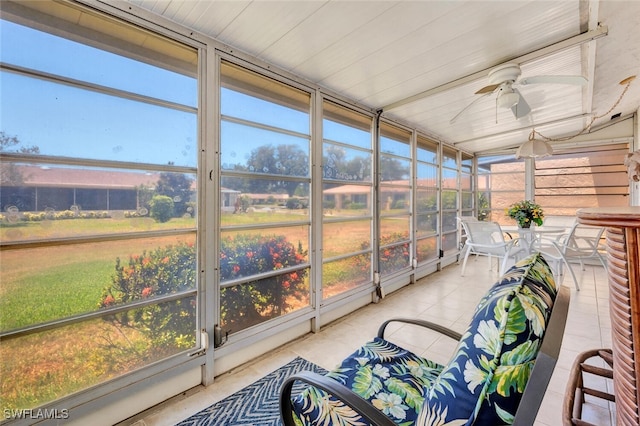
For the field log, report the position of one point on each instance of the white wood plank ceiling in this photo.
(422, 61)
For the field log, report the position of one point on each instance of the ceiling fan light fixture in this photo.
(534, 148)
(508, 99)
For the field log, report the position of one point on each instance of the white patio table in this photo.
(533, 234)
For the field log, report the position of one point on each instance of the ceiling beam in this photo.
(591, 10)
(521, 129)
(585, 37)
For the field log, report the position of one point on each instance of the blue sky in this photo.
(67, 121)
(63, 120)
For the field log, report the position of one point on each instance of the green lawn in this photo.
(84, 227)
(41, 284)
(54, 292)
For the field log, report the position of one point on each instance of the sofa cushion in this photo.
(393, 379)
(484, 382)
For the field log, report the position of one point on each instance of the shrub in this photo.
(399, 204)
(135, 213)
(32, 217)
(190, 208)
(329, 204)
(166, 270)
(161, 208)
(392, 256)
(250, 303)
(172, 269)
(245, 203)
(65, 214)
(292, 203)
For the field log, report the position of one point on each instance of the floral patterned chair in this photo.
(498, 373)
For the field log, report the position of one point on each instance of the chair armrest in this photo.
(506, 245)
(580, 251)
(427, 324)
(337, 389)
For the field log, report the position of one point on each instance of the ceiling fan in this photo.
(504, 77)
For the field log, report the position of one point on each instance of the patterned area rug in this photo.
(255, 405)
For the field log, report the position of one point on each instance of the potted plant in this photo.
(525, 213)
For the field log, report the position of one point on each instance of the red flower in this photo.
(236, 269)
(146, 292)
(109, 300)
(286, 285)
(166, 259)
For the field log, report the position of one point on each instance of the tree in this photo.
(9, 173)
(337, 166)
(176, 186)
(7, 142)
(236, 183)
(162, 208)
(392, 169)
(484, 208)
(285, 160)
(145, 194)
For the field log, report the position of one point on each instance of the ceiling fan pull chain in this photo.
(626, 82)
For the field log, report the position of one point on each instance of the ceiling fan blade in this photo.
(522, 108)
(488, 89)
(576, 80)
(453, 120)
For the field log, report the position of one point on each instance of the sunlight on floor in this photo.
(443, 297)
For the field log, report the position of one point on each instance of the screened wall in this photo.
(427, 200)
(99, 223)
(578, 178)
(562, 184)
(172, 192)
(347, 199)
(265, 158)
(395, 199)
(501, 182)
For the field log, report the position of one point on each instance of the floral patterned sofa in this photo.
(483, 384)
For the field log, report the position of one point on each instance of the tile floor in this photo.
(444, 297)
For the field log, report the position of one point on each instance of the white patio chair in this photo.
(487, 239)
(462, 220)
(553, 229)
(580, 244)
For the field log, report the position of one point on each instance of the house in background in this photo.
(53, 188)
(229, 200)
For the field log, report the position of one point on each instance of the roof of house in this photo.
(68, 177)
